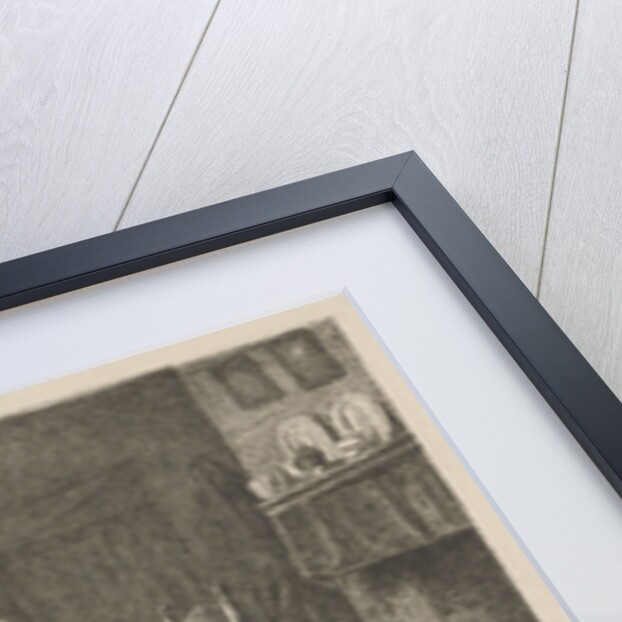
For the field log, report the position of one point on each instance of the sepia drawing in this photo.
(273, 482)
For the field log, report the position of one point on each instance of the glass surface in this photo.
(547, 489)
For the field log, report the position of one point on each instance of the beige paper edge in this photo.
(508, 552)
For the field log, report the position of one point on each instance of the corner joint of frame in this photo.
(408, 155)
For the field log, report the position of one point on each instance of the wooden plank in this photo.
(582, 276)
(279, 92)
(84, 87)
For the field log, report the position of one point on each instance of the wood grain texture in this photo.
(582, 275)
(279, 92)
(84, 87)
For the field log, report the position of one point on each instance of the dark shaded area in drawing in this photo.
(273, 483)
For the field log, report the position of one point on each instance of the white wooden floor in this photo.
(116, 113)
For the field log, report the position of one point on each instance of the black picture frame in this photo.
(572, 388)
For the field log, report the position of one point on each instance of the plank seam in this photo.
(166, 115)
(547, 217)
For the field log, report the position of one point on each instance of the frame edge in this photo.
(569, 384)
(153, 244)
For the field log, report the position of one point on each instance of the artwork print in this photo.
(281, 471)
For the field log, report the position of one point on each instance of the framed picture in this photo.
(311, 423)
